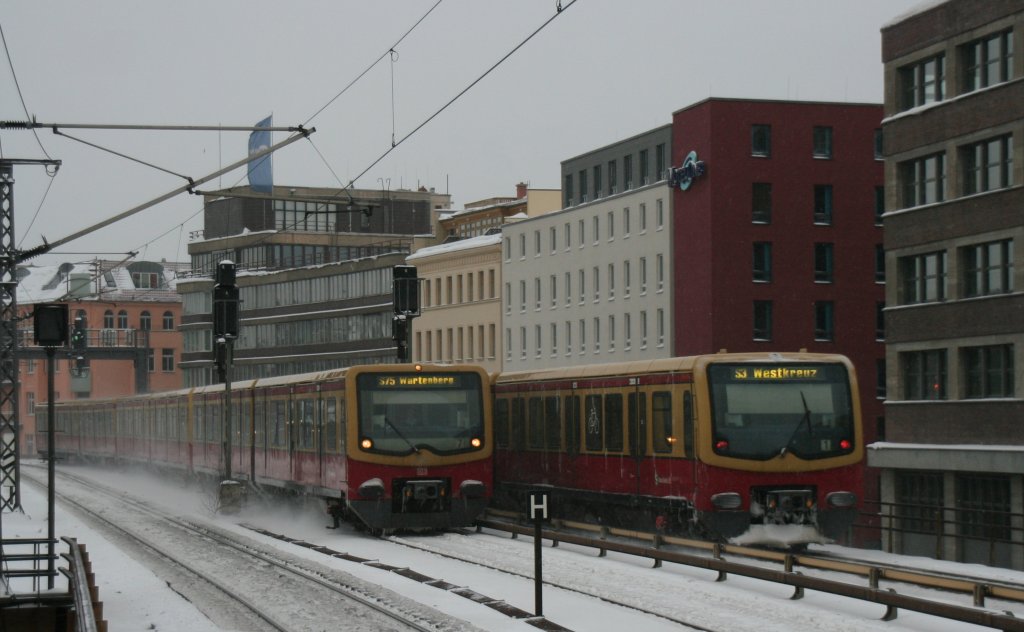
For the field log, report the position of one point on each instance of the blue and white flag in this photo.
(261, 171)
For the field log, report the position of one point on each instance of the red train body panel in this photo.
(762, 447)
(423, 432)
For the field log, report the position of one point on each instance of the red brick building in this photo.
(778, 245)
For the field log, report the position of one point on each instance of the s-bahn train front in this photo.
(419, 443)
(783, 456)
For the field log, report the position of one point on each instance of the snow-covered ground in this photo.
(136, 599)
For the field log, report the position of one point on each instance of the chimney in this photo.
(520, 190)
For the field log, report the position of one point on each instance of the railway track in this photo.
(205, 565)
(991, 599)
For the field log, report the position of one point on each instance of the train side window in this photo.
(277, 421)
(307, 422)
(572, 424)
(331, 425)
(661, 407)
(517, 424)
(198, 423)
(535, 434)
(501, 423)
(637, 404)
(688, 425)
(613, 423)
(213, 429)
(594, 424)
(259, 422)
(552, 424)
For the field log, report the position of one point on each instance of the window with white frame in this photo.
(536, 294)
(597, 334)
(568, 289)
(643, 329)
(626, 222)
(611, 281)
(611, 332)
(659, 263)
(659, 206)
(597, 284)
(522, 296)
(568, 337)
(583, 286)
(643, 275)
(611, 225)
(553, 285)
(583, 336)
(626, 278)
(661, 327)
(643, 217)
(554, 339)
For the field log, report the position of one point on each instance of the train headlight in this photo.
(727, 500)
(841, 500)
(476, 442)
(366, 443)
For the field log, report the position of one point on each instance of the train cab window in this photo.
(593, 423)
(535, 430)
(501, 423)
(572, 425)
(517, 425)
(552, 424)
(661, 427)
(613, 423)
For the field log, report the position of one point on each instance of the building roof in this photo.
(97, 280)
(479, 241)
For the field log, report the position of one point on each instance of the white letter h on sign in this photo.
(538, 501)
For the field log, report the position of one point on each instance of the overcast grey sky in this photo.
(601, 71)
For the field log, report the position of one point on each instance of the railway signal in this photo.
(406, 297)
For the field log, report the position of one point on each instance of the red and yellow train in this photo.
(400, 446)
(761, 448)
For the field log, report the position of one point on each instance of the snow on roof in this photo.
(479, 241)
(50, 283)
(911, 12)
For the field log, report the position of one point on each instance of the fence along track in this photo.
(888, 597)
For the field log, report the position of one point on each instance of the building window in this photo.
(168, 321)
(568, 190)
(659, 271)
(988, 268)
(643, 275)
(987, 61)
(583, 185)
(762, 320)
(879, 263)
(987, 165)
(536, 243)
(553, 288)
(923, 82)
(508, 298)
(762, 203)
(522, 297)
(597, 284)
(824, 320)
(122, 319)
(537, 340)
(583, 232)
(923, 180)
(145, 321)
(151, 360)
(645, 166)
(879, 146)
(661, 327)
(924, 374)
(554, 338)
(536, 294)
(625, 222)
(659, 207)
(627, 330)
(659, 161)
(626, 277)
(583, 285)
(880, 321)
(508, 344)
(568, 288)
(108, 319)
(627, 172)
(597, 334)
(643, 217)
(598, 191)
(611, 281)
(583, 336)
(823, 204)
(879, 204)
(823, 263)
(988, 371)
(761, 140)
(923, 278)
(167, 360)
(611, 225)
(762, 271)
(822, 142)
(643, 329)
(880, 391)
(568, 337)
(522, 343)
(611, 333)
(613, 184)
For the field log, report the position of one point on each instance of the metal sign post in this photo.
(539, 515)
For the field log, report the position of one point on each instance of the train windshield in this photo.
(764, 411)
(401, 413)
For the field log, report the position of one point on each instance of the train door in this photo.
(636, 404)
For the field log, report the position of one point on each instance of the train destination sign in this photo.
(780, 373)
(406, 381)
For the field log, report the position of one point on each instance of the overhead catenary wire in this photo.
(21, 97)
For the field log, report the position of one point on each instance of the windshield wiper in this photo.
(806, 418)
(402, 436)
